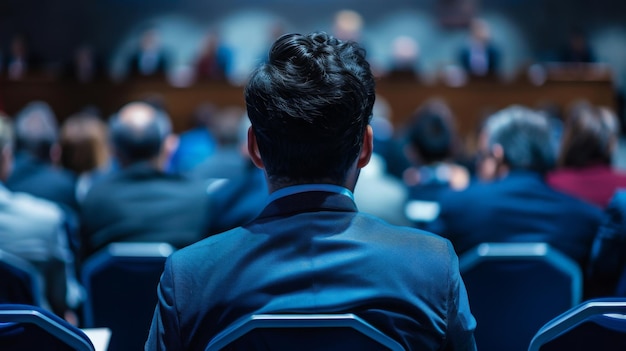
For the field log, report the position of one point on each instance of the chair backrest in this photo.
(26, 327)
(514, 288)
(121, 282)
(598, 324)
(302, 332)
(20, 282)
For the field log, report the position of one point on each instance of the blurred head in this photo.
(589, 137)
(37, 131)
(139, 132)
(431, 136)
(347, 25)
(6, 147)
(84, 144)
(479, 30)
(310, 107)
(516, 138)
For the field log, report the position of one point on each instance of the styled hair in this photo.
(136, 142)
(524, 135)
(309, 107)
(588, 137)
(84, 143)
(431, 132)
(36, 129)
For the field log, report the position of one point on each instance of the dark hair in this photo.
(139, 142)
(430, 133)
(84, 143)
(309, 106)
(524, 135)
(588, 136)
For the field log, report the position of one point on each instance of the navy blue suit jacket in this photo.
(313, 252)
(520, 207)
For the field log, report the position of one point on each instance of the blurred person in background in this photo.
(35, 230)
(150, 59)
(480, 57)
(198, 143)
(405, 55)
(514, 203)
(589, 141)
(37, 158)
(85, 150)
(214, 59)
(84, 66)
(140, 202)
(431, 145)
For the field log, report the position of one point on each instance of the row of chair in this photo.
(514, 290)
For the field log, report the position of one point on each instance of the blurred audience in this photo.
(214, 59)
(515, 204)
(140, 202)
(34, 229)
(431, 146)
(480, 57)
(85, 150)
(20, 61)
(197, 143)
(38, 155)
(585, 170)
(84, 66)
(405, 53)
(150, 59)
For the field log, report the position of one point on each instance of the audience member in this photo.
(480, 57)
(198, 143)
(37, 157)
(405, 52)
(517, 205)
(214, 59)
(140, 202)
(589, 141)
(85, 150)
(34, 229)
(608, 254)
(431, 145)
(150, 59)
(310, 107)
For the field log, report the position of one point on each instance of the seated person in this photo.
(34, 229)
(589, 141)
(480, 57)
(310, 250)
(516, 204)
(140, 202)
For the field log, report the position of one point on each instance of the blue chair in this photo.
(598, 324)
(121, 285)
(514, 288)
(302, 332)
(20, 282)
(26, 327)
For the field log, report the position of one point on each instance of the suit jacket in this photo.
(43, 180)
(608, 255)
(520, 207)
(313, 252)
(34, 230)
(142, 204)
(493, 60)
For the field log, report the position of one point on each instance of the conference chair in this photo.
(514, 288)
(20, 282)
(121, 287)
(302, 332)
(598, 324)
(27, 327)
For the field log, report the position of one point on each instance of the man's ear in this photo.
(367, 149)
(498, 153)
(253, 150)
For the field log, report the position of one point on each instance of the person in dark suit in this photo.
(142, 203)
(480, 57)
(38, 152)
(150, 59)
(608, 254)
(514, 203)
(310, 250)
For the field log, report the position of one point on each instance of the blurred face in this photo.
(486, 162)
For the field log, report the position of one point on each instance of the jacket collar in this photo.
(309, 201)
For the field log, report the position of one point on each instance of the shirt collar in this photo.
(294, 189)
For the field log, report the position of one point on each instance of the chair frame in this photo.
(35, 278)
(525, 251)
(607, 308)
(349, 320)
(33, 315)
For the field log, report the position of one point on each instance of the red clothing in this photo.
(595, 184)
